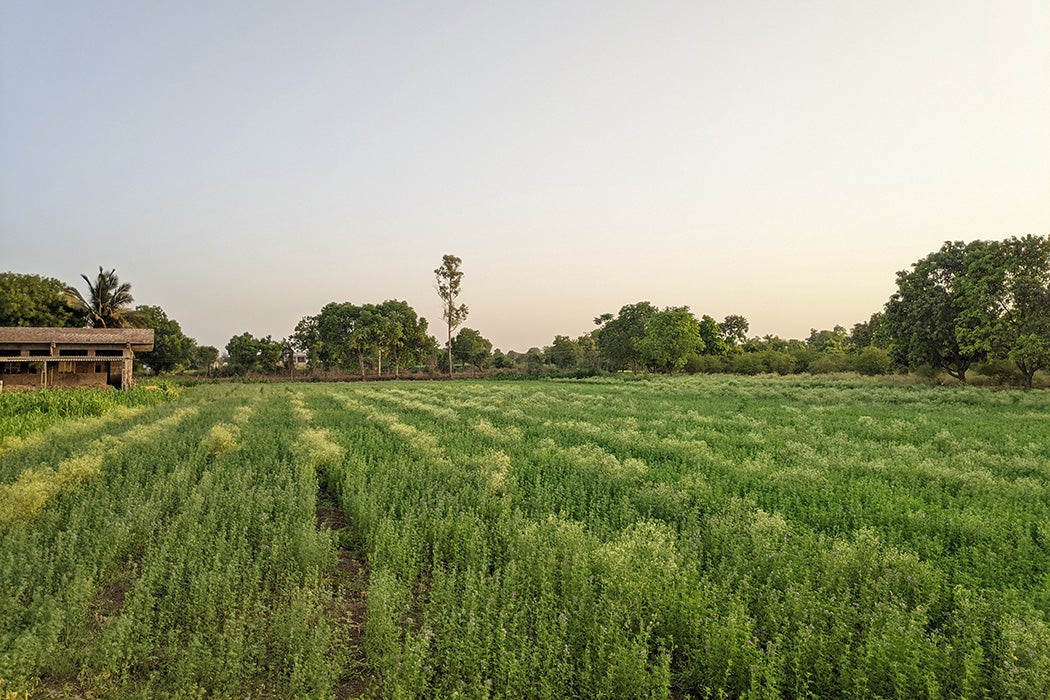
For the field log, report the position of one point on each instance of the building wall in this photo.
(65, 375)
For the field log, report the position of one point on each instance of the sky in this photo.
(242, 164)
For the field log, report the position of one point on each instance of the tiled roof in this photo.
(138, 337)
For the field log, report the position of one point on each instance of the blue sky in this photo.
(244, 163)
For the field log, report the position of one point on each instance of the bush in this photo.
(747, 363)
(829, 363)
(779, 362)
(705, 364)
(872, 361)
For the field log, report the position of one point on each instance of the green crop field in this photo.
(680, 537)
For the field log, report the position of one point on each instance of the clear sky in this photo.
(242, 164)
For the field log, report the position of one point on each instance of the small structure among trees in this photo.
(53, 358)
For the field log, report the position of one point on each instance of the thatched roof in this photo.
(141, 339)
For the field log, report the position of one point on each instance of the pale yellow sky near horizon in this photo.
(242, 164)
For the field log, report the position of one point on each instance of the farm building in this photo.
(58, 358)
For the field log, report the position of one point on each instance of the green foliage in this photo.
(449, 280)
(712, 336)
(872, 361)
(343, 335)
(671, 336)
(172, 349)
(564, 352)
(25, 413)
(974, 301)
(32, 300)
(470, 348)
(246, 353)
(1006, 288)
(108, 302)
(617, 337)
(674, 537)
(734, 330)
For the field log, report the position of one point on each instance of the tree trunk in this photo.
(450, 351)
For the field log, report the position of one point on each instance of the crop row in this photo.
(701, 537)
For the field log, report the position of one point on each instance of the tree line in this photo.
(980, 306)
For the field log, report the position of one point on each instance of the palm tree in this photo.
(108, 304)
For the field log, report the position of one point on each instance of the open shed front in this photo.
(58, 358)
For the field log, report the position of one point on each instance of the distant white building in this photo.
(300, 359)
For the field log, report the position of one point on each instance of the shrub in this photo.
(872, 361)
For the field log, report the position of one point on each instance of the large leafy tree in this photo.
(713, 336)
(246, 353)
(470, 348)
(172, 349)
(344, 334)
(564, 352)
(929, 313)
(108, 302)
(1006, 289)
(32, 300)
(242, 352)
(617, 336)
(205, 357)
(449, 279)
(734, 330)
(408, 340)
(671, 336)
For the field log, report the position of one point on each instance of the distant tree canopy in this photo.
(345, 335)
(32, 300)
(172, 349)
(470, 348)
(969, 302)
(642, 336)
(247, 353)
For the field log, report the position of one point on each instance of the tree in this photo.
(534, 361)
(172, 349)
(872, 360)
(242, 351)
(564, 352)
(408, 339)
(590, 358)
(108, 302)
(32, 300)
(343, 333)
(713, 336)
(1006, 315)
(734, 330)
(328, 337)
(670, 337)
(470, 348)
(869, 333)
(247, 353)
(927, 314)
(307, 337)
(270, 352)
(617, 337)
(205, 357)
(828, 341)
(449, 278)
(500, 360)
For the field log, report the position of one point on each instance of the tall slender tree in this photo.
(108, 304)
(449, 278)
